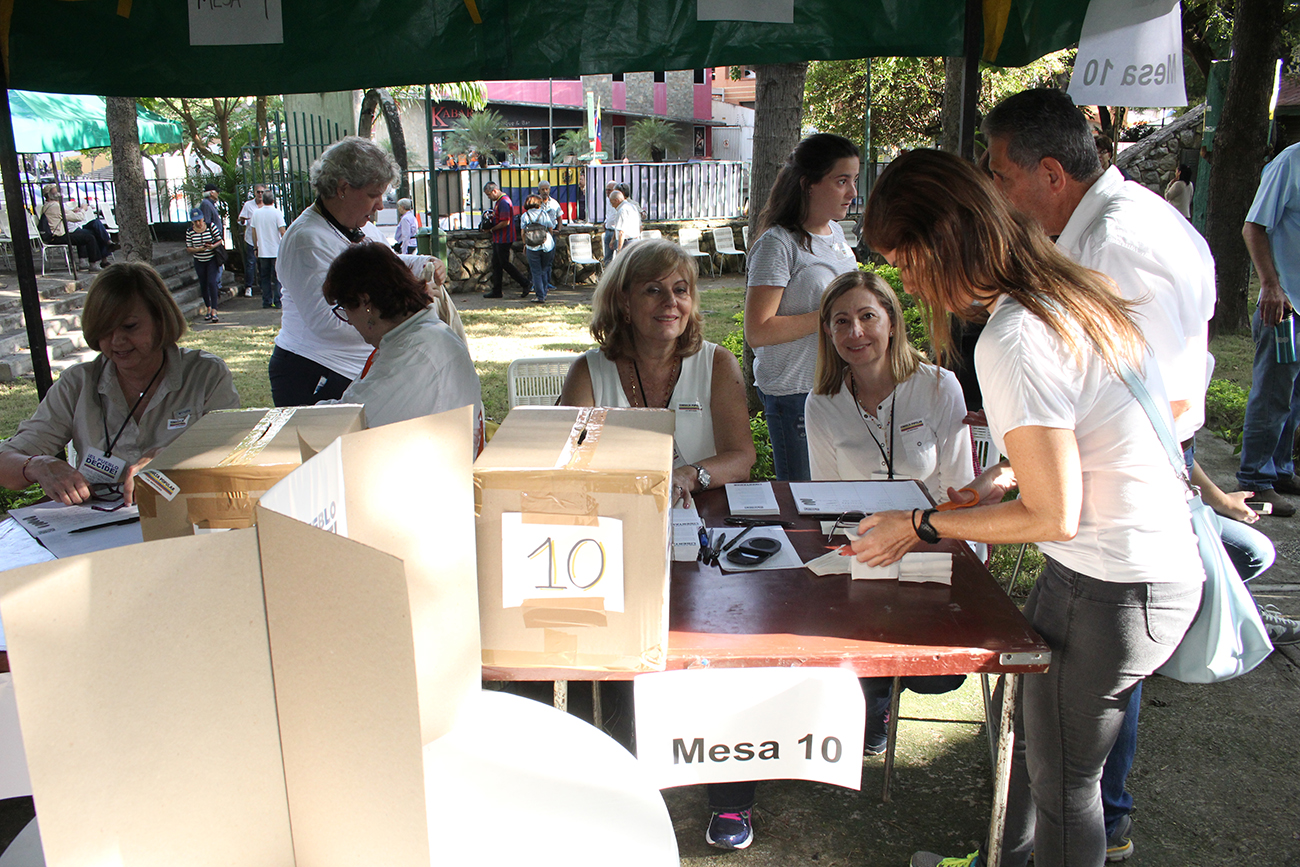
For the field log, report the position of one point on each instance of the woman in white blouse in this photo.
(878, 411)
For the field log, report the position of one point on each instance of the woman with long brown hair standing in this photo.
(1097, 490)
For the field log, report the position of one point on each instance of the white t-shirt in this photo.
(691, 401)
(777, 259)
(1158, 259)
(421, 368)
(629, 220)
(266, 223)
(307, 326)
(919, 424)
(1134, 524)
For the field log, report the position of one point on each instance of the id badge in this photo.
(99, 469)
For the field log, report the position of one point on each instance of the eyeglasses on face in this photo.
(341, 312)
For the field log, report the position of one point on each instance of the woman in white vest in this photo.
(652, 353)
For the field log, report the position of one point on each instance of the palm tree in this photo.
(573, 143)
(483, 132)
(653, 139)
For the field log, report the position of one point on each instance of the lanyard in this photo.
(893, 401)
(355, 236)
(103, 411)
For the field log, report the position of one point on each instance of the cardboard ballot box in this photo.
(280, 681)
(573, 513)
(210, 477)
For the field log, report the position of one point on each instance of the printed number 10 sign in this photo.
(561, 561)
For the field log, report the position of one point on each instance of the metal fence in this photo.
(165, 201)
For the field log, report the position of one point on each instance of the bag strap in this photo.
(1139, 390)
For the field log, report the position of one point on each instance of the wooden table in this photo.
(876, 628)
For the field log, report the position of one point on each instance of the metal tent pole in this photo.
(23, 261)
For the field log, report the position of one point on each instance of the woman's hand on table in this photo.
(684, 478)
(58, 480)
(884, 538)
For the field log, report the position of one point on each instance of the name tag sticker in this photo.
(911, 426)
(166, 488)
(690, 407)
(179, 421)
(99, 469)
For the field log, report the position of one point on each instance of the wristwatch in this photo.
(924, 531)
(703, 475)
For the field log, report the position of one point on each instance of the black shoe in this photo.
(1282, 507)
(492, 295)
(1288, 485)
(525, 293)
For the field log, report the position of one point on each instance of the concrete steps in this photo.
(61, 303)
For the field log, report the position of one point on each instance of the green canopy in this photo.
(130, 49)
(50, 123)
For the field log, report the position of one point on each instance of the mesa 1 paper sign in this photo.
(725, 725)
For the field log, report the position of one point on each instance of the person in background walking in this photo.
(503, 239)
(250, 249)
(539, 246)
(201, 242)
(611, 223)
(404, 239)
(267, 228)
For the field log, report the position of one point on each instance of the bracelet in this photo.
(914, 511)
(924, 531)
(25, 463)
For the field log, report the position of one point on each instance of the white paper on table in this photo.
(730, 724)
(752, 498)
(52, 524)
(786, 558)
(833, 498)
(686, 534)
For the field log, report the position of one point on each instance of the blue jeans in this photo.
(610, 235)
(784, 414)
(250, 265)
(1272, 411)
(539, 270)
(270, 283)
(1105, 637)
(209, 273)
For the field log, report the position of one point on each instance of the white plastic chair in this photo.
(580, 254)
(850, 228)
(537, 381)
(744, 236)
(46, 249)
(651, 235)
(724, 241)
(689, 239)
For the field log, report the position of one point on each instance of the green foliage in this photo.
(483, 132)
(72, 167)
(472, 93)
(573, 143)
(1225, 409)
(763, 469)
(653, 139)
(735, 339)
(907, 95)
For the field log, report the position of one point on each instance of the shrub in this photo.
(1225, 409)
(763, 468)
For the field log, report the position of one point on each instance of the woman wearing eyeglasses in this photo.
(120, 409)
(419, 366)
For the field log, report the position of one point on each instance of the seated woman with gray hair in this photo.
(404, 239)
(317, 356)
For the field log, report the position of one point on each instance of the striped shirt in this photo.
(209, 235)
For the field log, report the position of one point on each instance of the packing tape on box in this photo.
(584, 436)
(564, 613)
(233, 510)
(259, 437)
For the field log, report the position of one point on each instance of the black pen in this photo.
(717, 549)
(743, 534)
(120, 523)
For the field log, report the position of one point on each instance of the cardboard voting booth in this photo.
(211, 476)
(574, 543)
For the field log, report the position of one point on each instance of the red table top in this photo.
(793, 617)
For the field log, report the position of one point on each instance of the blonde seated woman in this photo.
(879, 411)
(652, 353)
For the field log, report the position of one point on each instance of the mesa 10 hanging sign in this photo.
(1130, 53)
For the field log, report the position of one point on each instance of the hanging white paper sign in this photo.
(1130, 53)
(236, 22)
(764, 11)
(723, 725)
(561, 561)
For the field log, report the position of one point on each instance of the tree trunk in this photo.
(260, 108)
(954, 68)
(128, 181)
(379, 98)
(1240, 147)
(778, 116)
